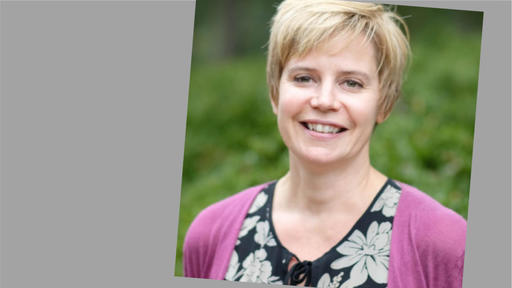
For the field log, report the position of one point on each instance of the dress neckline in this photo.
(271, 189)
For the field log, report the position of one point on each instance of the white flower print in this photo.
(248, 224)
(256, 268)
(325, 281)
(348, 284)
(388, 201)
(370, 254)
(263, 235)
(260, 200)
(233, 267)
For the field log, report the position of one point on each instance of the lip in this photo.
(323, 122)
(322, 136)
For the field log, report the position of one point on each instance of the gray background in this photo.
(92, 115)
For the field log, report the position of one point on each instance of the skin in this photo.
(331, 181)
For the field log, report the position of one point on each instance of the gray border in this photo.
(90, 183)
(93, 113)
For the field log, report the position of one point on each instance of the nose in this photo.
(326, 98)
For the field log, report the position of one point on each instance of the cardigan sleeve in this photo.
(211, 237)
(428, 243)
(442, 247)
(198, 245)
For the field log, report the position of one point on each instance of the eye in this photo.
(352, 84)
(302, 79)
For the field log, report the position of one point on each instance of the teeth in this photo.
(323, 128)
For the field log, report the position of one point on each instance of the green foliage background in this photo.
(232, 141)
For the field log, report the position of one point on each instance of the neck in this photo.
(348, 186)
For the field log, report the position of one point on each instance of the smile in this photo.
(323, 128)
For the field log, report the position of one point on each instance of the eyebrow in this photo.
(363, 75)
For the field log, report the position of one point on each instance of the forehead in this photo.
(349, 52)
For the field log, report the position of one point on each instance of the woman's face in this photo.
(328, 102)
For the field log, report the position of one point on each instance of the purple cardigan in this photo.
(427, 244)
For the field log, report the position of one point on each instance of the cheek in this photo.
(283, 124)
(284, 106)
(292, 100)
(364, 112)
(288, 109)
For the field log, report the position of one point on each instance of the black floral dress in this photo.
(360, 259)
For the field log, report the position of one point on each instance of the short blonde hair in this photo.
(301, 25)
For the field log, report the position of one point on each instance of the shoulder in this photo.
(429, 219)
(209, 237)
(428, 240)
(233, 206)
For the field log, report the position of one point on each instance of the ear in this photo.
(274, 105)
(381, 117)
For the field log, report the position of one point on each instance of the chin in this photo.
(321, 157)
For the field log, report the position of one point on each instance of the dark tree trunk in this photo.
(230, 27)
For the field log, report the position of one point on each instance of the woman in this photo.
(334, 72)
